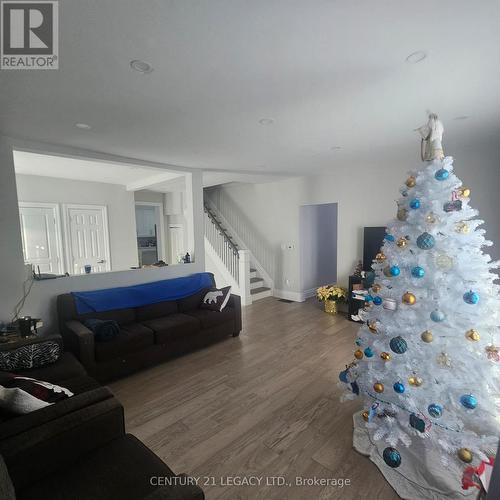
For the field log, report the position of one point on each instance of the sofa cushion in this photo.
(66, 367)
(173, 327)
(153, 311)
(192, 302)
(209, 319)
(122, 469)
(133, 337)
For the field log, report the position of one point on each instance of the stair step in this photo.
(253, 270)
(254, 291)
(255, 280)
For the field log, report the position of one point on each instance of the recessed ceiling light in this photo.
(335, 148)
(266, 121)
(141, 66)
(461, 117)
(83, 126)
(416, 57)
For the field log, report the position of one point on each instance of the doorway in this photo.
(41, 236)
(318, 246)
(87, 238)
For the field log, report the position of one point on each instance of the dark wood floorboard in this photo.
(263, 404)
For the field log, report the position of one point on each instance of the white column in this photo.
(244, 277)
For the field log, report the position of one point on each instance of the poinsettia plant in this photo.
(331, 292)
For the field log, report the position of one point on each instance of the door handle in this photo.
(101, 261)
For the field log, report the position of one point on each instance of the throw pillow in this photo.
(216, 299)
(30, 356)
(20, 395)
(103, 329)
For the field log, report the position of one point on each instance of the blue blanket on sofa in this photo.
(141, 295)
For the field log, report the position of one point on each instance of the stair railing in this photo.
(244, 228)
(222, 244)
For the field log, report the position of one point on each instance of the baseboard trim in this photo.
(289, 295)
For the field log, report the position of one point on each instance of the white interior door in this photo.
(177, 246)
(87, 238)
(40, 233)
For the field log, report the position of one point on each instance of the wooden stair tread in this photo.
(254, 291)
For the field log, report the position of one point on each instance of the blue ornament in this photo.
(368, 352)
(418, 272)
(392, 457)
(398, 345)
(389, 237)
(377, 300)
(399, 387)
(437, 316)
(435, 410)
(426, 241)
(395, 271)
(343, 376)
(469, 401)
(442, 174)
(359, 341)
(368, 298)
(415, 203)
(471, 297)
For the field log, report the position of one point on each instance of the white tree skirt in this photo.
(414, 479)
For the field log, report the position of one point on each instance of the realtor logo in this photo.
(29, 35)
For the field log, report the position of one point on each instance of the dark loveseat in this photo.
(148, 334)
(78, 448)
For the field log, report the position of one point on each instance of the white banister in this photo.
(244, 277)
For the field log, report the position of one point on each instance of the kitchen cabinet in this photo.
(145, 218)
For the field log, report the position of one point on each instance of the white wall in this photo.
(365, 195)
(119, 202)
(41, 301)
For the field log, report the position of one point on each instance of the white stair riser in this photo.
(253, 274)
(257, 284)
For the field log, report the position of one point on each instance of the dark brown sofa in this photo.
(78, 448)
(148, 334)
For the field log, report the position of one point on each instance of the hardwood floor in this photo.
(263, 404)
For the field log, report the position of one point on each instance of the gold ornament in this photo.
(385, 356)
(415, 381)
(387, 271)
(358, 354)
(376, 288)
(402, 242)
(365, 415)
(465, 455)
(411, 181)
(443, 360)
(378, 387)
(444, 262)
(427, 337)
(430, 218)
(472, 335)
(402, 214)
(372, 326)
(462, 227)
(409, 298)
(463, 192)
(380, 257)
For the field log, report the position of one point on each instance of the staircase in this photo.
(235, 263)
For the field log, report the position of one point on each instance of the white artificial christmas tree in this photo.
(427, 360)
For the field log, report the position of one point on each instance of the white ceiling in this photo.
(329, 73)
(132, 177)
